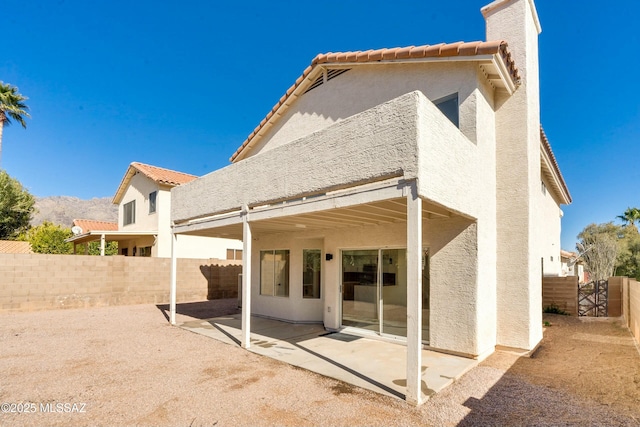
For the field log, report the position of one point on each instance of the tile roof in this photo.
(554, 163)
(162, 175)
(14, 247)
(442, 50)
(159, 175)
(90, 225)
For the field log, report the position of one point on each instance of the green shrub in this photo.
(554, 309)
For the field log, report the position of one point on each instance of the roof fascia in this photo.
(565, 198)
(126, 179)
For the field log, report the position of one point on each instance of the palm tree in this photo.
(630, 216)
(12, 106)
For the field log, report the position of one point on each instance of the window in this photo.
(145, 251)
(152, 202)
(543, 188)
(311, 259)
(235, 254)
(274, 273)
(129, 213)
(449, 107)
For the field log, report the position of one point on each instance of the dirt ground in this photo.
(122, 366)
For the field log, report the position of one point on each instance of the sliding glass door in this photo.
(394, 292)
(374, 291)
(360, 289)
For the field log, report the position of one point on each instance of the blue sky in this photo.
(181, 84)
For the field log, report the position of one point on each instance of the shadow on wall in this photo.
(222, 280)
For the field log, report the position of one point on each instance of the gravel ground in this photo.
(125, 366)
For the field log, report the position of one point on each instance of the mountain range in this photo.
(63, 210)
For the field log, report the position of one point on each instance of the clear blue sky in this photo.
(181, 84)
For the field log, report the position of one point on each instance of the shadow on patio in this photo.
(369, 363)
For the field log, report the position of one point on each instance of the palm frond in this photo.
(12, 105)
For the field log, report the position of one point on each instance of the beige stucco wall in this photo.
(369, 146)
(366, 86)
(204, 247)
(139, 189)
(550, 224)
(452, 244)
(294, 307)
(519, 287)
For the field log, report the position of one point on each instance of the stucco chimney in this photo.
(515, 21)
(518, 267)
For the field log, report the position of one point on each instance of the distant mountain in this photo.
(63, 210)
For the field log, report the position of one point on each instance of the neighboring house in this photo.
(88, 230)
(144, 229)
(14, 247)
(405, 193)
(572, 265)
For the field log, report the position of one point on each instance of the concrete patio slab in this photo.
(373, 364)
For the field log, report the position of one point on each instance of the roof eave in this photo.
(549, 165)
(131, 171)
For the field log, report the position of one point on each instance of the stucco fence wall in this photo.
(41, 282)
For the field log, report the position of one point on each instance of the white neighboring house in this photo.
(572, 265)
(144, 227)
(406, 194)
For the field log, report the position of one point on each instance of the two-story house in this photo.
(144, 224)
(404, 193)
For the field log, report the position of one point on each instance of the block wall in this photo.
(40, 282)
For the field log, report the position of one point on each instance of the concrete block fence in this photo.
(41, 282)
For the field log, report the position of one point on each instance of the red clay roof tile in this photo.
(164, 176)
(91, 225)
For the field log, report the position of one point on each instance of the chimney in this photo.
(518, 266)
(516, 21)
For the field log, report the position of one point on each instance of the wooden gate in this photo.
(593, 299)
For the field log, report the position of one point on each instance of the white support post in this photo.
(414, 296)
(246, 279)
(172, 292)
(102, 244)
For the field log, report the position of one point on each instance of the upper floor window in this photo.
(449, 107)
(543, 188)
(152, 201)
(129, 213)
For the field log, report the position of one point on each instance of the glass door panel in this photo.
(360, 297)
(394, 292)
(426, 289)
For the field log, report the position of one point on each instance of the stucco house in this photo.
(408, 194)
(144, 225)
(572, 265)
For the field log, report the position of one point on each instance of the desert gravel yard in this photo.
(122, 366)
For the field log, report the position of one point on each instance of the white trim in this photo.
(414, 297)
(174, 273)
(246, 279)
